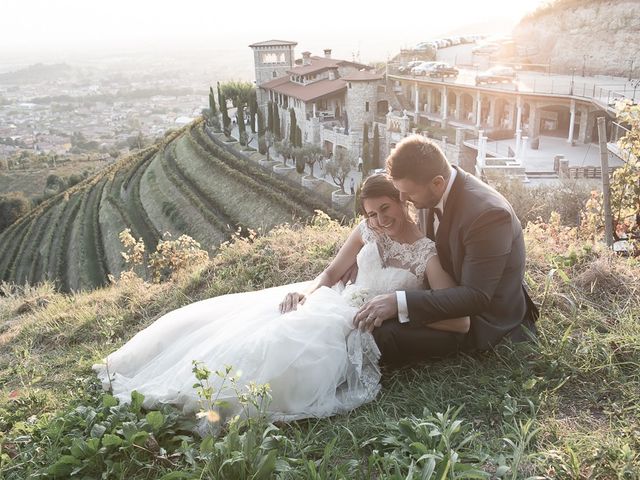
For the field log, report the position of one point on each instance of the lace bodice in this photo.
(385, 265)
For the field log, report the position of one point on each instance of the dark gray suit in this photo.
(480, 244)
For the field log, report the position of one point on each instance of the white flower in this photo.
(211, 415)
(359, 296)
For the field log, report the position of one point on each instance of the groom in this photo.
(479, 242)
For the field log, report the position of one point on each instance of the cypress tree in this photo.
(270, 116)
(262, 145)
(212, 103)
(293, 133)
(276, 123)
(298, 137)
(226, 121)
(213, 111)
(242, 130)
(376, 147)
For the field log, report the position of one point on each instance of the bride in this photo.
(305, 346)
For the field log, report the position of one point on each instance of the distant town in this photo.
(61, 111)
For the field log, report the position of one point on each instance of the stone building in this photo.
(332, 98)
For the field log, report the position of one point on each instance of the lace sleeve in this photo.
(366, 233)
(426, 253)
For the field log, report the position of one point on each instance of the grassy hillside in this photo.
(565, 406)
(190, 183)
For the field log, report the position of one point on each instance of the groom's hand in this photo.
(376, 311)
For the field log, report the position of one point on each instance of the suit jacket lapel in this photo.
(442, 237)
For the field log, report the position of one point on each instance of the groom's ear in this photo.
(439, 182)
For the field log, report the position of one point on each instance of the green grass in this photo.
(565, 406)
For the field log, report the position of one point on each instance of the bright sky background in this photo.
(374, 29)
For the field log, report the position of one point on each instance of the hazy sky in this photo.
(58, 27)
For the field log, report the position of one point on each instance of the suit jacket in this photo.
(480, 244)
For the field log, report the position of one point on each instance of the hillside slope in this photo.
(192, 183)
(601, 36)
(564, 406)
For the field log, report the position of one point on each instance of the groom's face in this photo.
(422, 195)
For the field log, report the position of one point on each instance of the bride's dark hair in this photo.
(380, 185)
(376, 186)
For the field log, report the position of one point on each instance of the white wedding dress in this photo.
(314, 361)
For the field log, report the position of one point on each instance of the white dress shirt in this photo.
(401, 296)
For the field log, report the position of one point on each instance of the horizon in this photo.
(68, 32)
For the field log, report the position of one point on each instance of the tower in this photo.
(271, 59)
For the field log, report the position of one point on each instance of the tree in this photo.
(276, 123)
(222, 102)
(310, 154)
(300, 164)
(240, 94)
(625, 181)
(13, 205)
(376, 148)
(226, 121)
(624, 187)
(286, 151)
(270, 116)
(292, 128)
(340, 166)
(213, 111)
(298, 137)
(242, 130)
(268, 140)
(55, 183)
(262, 145)
(366, 156)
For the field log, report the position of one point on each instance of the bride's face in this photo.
(385, 214)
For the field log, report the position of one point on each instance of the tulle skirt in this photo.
(315, 363)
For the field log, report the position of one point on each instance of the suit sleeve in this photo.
(487, 246)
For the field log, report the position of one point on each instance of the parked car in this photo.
(407, 68)
(441, 70)
(496, 75)
(485, 49)
(422, 69)
(426, 46)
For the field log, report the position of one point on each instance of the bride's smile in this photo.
(389, 215)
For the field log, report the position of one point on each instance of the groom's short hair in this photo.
(418, 158)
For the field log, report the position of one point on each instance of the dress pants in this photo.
(403, 343)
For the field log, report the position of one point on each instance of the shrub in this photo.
(13, 205)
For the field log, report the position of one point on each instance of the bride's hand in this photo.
(291, 301)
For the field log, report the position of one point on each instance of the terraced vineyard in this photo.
(190, 183)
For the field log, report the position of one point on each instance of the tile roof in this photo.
(319, 64)
(308, 92)
(275, 82)
(362, 77)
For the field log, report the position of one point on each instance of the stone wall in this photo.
(601, 36)
(358, 95)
